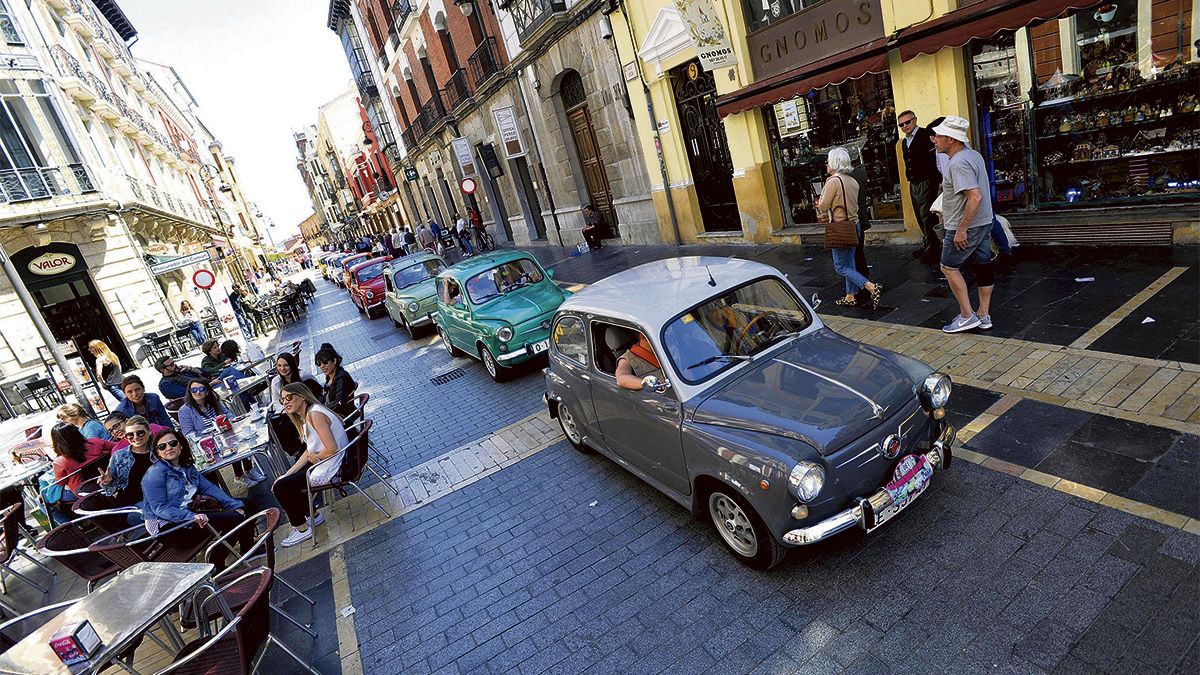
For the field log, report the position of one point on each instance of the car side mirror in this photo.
(652, 383)
(815, 301)
(550, 272)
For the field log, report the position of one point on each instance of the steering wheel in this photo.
(746, 329)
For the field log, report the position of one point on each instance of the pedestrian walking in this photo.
(188, 316)
(398, 248)
(839, 202)
(108, 367)
(426, 239)
(859, 174)
(410, 240)
(592, 222)
(921, 170)
(967, 211)
(464, 236)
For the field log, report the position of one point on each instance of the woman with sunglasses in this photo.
(324, 437)
(339, 386)
(200, 409)
(130, 460)
(175, 492)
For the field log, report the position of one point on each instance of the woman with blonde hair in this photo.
(838, 202)
(188, 317)
(108, 367)
(72, 413)
(324, 437)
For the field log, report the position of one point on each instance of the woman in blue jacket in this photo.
(174, 492)
(140, 402)
(200, 409)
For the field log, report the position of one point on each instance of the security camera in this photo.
(606, 28)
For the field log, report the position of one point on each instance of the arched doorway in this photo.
(574, 102)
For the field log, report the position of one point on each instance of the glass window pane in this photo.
(12, 139)
(59, 132)
(570, 340)
(26, 125)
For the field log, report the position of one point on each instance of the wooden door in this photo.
(592, 163)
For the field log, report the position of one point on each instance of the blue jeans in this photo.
(999, 237)
(197, 333)
(843, 264)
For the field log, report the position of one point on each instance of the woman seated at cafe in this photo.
(324, 437)
(175, 492)
(197, 417)
(73, 451)
(130, 460)
(139, 402)
(287, 371)
(72, 413)
(339, 386)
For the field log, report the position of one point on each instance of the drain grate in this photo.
(448, 376)
(382, 336)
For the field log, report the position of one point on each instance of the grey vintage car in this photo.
(781, 430)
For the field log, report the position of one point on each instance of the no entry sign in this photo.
(204, 279)
(467, 185)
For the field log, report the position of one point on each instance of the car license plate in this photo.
(910, 479)
(539, 347)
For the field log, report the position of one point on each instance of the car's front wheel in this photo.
(498, 372)
(570, 428)
(742, 530)
(450, 348)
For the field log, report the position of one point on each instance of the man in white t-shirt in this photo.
(967, 218)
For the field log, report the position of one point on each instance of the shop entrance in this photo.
(574, 100)
(707, 148)
(72, 307)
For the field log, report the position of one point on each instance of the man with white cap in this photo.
(967, 217)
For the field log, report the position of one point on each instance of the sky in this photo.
(259, 70)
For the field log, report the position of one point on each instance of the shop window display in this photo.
(1002, 121)
(858, 115)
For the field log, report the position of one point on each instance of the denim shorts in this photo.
(978, 249)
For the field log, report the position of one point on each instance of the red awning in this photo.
(980, 20)
(850, 64)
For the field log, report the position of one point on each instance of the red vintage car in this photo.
(367, 286)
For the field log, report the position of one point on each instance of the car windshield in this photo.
(732, 327)
(369, 273)
(415, 274)
(502, 279)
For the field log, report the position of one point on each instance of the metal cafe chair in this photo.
(70, 544)
(11, 547)
(7, 639)
(357, 415)
(135, 544)
(240, 645)
(42, 391)
(354, 461)
(261, 554)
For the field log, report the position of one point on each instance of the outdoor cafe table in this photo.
(233, 399)
(250, 436)
(120, 611)
(15, 474)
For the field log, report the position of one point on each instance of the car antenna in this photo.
(711, 280)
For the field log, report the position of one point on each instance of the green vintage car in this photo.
(497, 308)
(411, 291)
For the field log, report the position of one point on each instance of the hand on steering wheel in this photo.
(746, 329)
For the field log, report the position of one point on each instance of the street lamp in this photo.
(467, 7)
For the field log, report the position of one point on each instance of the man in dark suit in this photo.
(924, 181)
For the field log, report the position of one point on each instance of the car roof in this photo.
(669, 286)
(473, 265)
(405, 261)
(367, 263)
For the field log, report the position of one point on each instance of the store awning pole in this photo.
(35, 315)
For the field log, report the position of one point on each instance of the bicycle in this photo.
(484, 241)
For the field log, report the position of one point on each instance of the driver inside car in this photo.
(637, 363)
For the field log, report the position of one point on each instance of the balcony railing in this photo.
(531, 15)
(400, 10)
(484, 62)
(457, 90)
(28, 184)
(432, 114)
(67, 65)
(409, 138)
(366, 85)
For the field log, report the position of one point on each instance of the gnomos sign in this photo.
(48, 264)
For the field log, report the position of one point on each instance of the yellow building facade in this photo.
(736, 153)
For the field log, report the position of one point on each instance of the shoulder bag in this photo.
(841, 233)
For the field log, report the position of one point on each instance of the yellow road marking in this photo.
(1106, 324)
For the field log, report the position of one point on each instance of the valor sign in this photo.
(48, 264)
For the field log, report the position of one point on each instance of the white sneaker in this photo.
(985, 322)
(960, 324)
(296, 536)
(313, 522)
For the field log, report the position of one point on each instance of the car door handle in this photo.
(664, 407)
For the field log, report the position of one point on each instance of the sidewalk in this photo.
(1089, 382)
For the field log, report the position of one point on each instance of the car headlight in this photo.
(806, 480)
(504, 334)
(935, 391)
(370, 294)
(412, 307)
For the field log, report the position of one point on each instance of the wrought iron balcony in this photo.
(532, 16)
(484, 62)
(432, 114)
(400, 11)
(457, 90)
(409, 138)
(366, 85)
(30, 183)
(67, 65)
(100, 88)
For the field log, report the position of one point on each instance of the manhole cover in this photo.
(448, 376)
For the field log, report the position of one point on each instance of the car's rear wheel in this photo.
(450, 348)
(570, 428)
(498, 372)
(742, 530)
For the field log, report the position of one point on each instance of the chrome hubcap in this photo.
(733, 524)
(568, 424)
(489, 362)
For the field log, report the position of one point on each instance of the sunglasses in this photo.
(173, 443)
(286, 398)
(905, 123)
(135, 434)
(197, 390)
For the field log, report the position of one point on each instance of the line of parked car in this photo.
(780, 430)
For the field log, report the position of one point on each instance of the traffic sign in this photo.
(467, 185)
(204, 279)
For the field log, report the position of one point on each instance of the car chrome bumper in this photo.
(421, 321)
(938, 456)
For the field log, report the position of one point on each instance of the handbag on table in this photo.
(841, 233)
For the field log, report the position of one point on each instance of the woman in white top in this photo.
(324, 438)
(287, 371)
